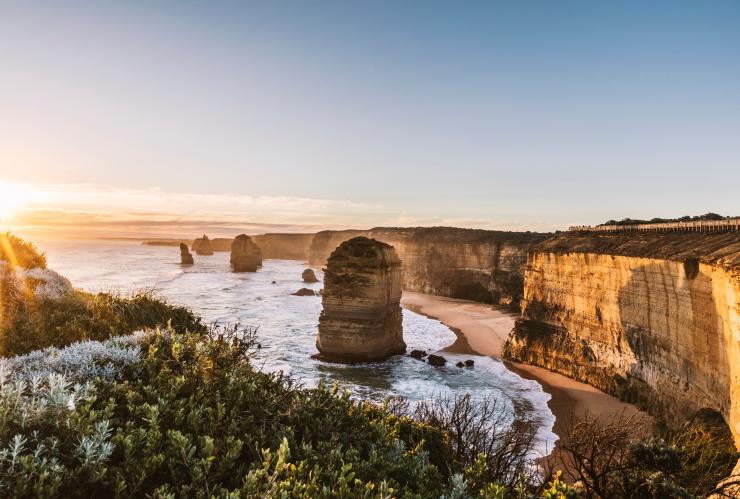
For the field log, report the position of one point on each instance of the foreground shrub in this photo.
(194, 419)
(18, 252)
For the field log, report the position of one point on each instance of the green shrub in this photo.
(16, 251)
(30, 324)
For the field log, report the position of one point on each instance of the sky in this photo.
(153, 118)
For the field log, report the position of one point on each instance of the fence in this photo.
(697, 226)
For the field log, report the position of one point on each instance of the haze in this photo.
(136, 119)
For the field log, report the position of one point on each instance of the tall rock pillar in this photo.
(246, 256)
(361, 318)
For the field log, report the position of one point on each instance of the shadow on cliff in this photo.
(669, 322)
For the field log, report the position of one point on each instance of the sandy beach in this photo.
(483, 329)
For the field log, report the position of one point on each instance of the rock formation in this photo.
(185, 257)
(246, 256)
(309, 276)
(361, 318)
(651, 317)
(436, 360)
(202, 246)
(285, 246)
(304, 292)
(480, 265)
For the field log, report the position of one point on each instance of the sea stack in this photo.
(309, 276)
(361, 318)
(185, 257)
(202, 246)
(246, 256)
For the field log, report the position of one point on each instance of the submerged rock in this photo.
(361, 317)
(202, 246)
(460, 364)
(309, 276)
(304, 292)
(185, 257)
(469, 363)
(418, 354)
(436, 360)
(246, 256)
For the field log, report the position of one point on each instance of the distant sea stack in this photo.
(185, 257)
(309, 276)
(202, 246)
(246, 256)
(361, 318)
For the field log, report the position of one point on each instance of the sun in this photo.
(12, 198)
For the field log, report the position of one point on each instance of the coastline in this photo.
(482, 329)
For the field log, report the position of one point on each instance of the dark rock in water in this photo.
(185, 257)
(436, 360)
(418, 354)
(202, 246)
(460, 364)
(361, 318)
(246, 256)
(469, 363)
(274, 282)
(309, 276)
(304, 292)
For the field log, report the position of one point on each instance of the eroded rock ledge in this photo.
(361, 318)
(653, 318)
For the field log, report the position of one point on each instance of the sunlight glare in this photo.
(12, 197)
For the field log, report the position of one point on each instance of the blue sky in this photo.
(513, 115)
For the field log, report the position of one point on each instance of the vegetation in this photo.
(687, 218)
(39, 308)
(16, 251)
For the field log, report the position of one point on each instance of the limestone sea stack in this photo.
(246, 256)
(361, 318)
(202, 246)
(309, 276)
(185, 257)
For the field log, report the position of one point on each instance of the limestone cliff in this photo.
(653, 318)
(480, 265)
(361, 318)
(203, 246)
(285, 246)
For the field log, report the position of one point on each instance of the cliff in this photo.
(284, 246)
(480, 265)
(361, 318)
(653, 318)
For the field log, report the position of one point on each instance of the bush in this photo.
(194, 419)
(18, 252)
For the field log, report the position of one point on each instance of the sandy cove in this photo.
(482, 329)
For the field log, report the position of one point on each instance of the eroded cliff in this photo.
(481, 265)
(653, 318)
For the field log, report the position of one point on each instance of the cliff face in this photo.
(480, 265)
(361, 318)
(285, 246)
(653, 318)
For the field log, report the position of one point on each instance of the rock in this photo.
(309, 276)
(274, 282)
(469, 363)
(460, 364)
(202, 246)
(246, 256)
(185, 257)
(418, 354)
(436, 360)
(304, 292)
(361, 317)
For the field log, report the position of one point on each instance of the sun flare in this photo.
(12, 198)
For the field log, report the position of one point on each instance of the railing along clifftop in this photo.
(697, 226)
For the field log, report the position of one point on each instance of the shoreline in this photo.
(482, 329)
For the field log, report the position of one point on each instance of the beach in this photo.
(482, 329)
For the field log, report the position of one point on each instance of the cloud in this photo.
(82, 210)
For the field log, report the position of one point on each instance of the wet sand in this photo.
(483, 329)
